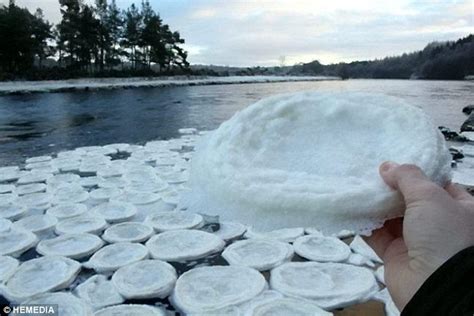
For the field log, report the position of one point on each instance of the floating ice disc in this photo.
(37, 223)
(181, 245)
(68, 304)
(312, 159)
(12, 211)
(322, 249)
(230, 230)
(112, 257)
(73, 246)
(114, 212)
(163, 221)
(99, 292)
(5, 224)
(289, 306)
(16, 241)
(128, 232)
(205, 289)
(8, 266)
(78, 225)
(145, 279)
(40, 275)
(259, 254)
(69, 210)
(329, 285)
(127, 310)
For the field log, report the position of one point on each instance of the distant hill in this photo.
(438, 60)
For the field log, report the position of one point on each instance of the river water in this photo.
(43, 123)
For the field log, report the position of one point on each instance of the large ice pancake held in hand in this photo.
(312, 159)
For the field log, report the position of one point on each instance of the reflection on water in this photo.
(36, 124)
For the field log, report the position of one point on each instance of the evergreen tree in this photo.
(42, 34)
(114, 26)
(131, 40)
(68, 29)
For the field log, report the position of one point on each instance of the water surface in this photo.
(37, 124)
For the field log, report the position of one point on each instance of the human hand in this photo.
(438, 223)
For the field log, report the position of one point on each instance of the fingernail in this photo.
(388, 166)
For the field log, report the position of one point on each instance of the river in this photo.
(43, 123)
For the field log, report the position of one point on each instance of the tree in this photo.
(114, 25)
(131, 40)
(42, 33)
(103, 32)
(17, 49)
(67, 29)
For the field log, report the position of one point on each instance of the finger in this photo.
(382, 238)
(457, 192)
(411, 182)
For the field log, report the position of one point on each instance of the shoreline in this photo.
(93, 84)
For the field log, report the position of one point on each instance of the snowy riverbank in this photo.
(26, 87)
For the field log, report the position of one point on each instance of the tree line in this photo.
(438, 60)
(90, 40)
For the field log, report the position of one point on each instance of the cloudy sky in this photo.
(260, 32)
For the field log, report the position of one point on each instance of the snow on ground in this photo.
(25, 87)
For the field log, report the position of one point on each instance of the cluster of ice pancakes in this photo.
(101, 229)
(98, 230)
(313, 157)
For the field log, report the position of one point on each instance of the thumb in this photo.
(411, 182)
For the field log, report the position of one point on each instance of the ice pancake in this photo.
(312, 159)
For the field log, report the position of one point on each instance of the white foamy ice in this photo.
(312, 159)
(380, 274)
(260, 254)
(67, 304)
(115, 256)
(98, 292)
(12, 211)
(463, 175)
(128, 232)
(101, 195)
(5, 224)
(16, 241)
(322, 249)
(329, 285)
(207, 289)
(115, 211)
(283, 234)
(359, 260)
(74, 246)
(70, 193)
(187, 131)
(38, 276)
(131, 309)
(8, 265)
(390, 307)
(230, 230)
(7, 188)
(41, 200)
(174, 220)
(182, 245)
(37, 224)
(67, 210)
(30, 188)
(145, 279)
(81, 224)
(358, 245)
(289, 306)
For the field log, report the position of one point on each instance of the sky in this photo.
(277, 32)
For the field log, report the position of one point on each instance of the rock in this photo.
(452, 135)
(457, 154)
(468, 125)
(468, 109)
